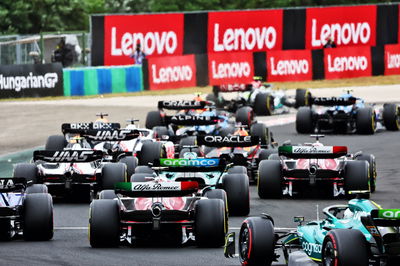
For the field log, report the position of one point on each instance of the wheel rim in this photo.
(329, 254)
(244, 244)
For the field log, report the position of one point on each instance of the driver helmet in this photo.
(241, 132)
(348, 214)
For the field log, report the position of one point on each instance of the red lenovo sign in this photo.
(245, 30)
(347, 62)
(171, 72)
(290, 65)
(392, 59)
(351, 25)
(229, 68)
(158, 34)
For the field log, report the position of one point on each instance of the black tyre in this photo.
(36, 188)
(104, 223)
(226, 131)
(107, 194)
(27, 170)
(371, 169)
(55, 143)
(256, 241)
(154, 119)
(269, 183)
(274, 156)
(245, 115)
(218, 100)
(263, 104)
(304, 122)
(160, 131)
(303, 98)
(238, 169)
(111, 174)
(356, 176)
(210, 224)
(391, 116)
(144, 169)
(187, 141)
(261, 131)
(219, 194)
(345, 247)
(140, 177)
(365, 121)
(151, 151)
(236, 187)
(265, 153)
(38, 217)
(131, 163)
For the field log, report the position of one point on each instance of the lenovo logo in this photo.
(171, 74)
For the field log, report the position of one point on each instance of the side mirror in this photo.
(298, 219)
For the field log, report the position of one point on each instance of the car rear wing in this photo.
(111, 135)
(232, 87)
(182, 105)
(68, 156)
(192, 120)
(228, 141)
(156, 189)
(333, 101)
(386, 217)
(9, 184)
(308, 152)
(76, 128)
(191, 165)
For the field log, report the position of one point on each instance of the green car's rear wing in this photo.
(191, 165)
(156, 189)
(308, 152)
(386, 217)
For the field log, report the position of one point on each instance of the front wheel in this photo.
(245, 115)
(269, 183)
(38, 217)
(111, 174)
(391, 116)
(304, 121)
(371, 169)
(356, 177)
(365, 121)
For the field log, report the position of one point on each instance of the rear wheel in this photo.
(236, 187)
(159, 132)
(151, 151)
(264, 104)
(144, 169)
(107, 194)
(356, 176)
(371, 169)
(28, 171)
(104, 228)
(219, 101)
(36, 188)
(304, 122)
(245, 115)
(38, 217)
(256, 241)
(187, 141)
(261, 131)
(210, 225)
(391, 116)
(303, 98)
(226, 131)
(265, 153)
(140, 177)
(365, 121)
(111, 174)
(55, 143)
(154, 119)
(131, 163)
(237, 169)
(345, 247)
(269, 183)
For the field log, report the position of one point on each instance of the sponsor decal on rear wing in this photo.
(181, 105)
(228, 141)
(192, 120)
(68, 156)
(233, 87)
(8, 184)
(199, 162)
(333, 101)
(156, 189)
(386, 217)
(81, 127)
(312, 151)
(111, 135)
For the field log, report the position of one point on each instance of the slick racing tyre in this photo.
(104, 228)
(111, 174)
(256, 241)
(356, 176)
(217, 100)
(391, 116)
(55, 143)
(159, 132)
(38, 217)
(187, 141)
(36, 188)
(345, 247)
(210, 224)
(107, 194)
(302, 98)
(269, 183)
(238, 169)
(371, 169)
(141, 177)
(219, 194)
(151, 151)
(144, 169)
(154, 119)
(264, 104)
(245, 115)
(226, 131)
(365, 121)
(304, 121)
(236, 187)
(265, 153)
(261, 131)
(28, 171)
(131, 163)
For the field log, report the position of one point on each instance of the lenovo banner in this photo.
(289, 65)
(347, 62)
(39, 80)
(158, 34)
(392, 59)
(170, 72)
(346, 25)
(229, 68)
(245, 31)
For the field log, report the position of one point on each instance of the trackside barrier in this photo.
(102, 80)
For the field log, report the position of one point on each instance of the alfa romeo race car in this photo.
(314, 167)
(359, 233)
(346, 114)
(26, 210)
(156, 210)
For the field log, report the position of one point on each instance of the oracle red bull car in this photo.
(156, 210)
(313, 167)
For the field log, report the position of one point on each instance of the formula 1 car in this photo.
(215, 178)
(26, 210)
(312, 166)
(359, 233)
(168, 212)
(346, 114)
